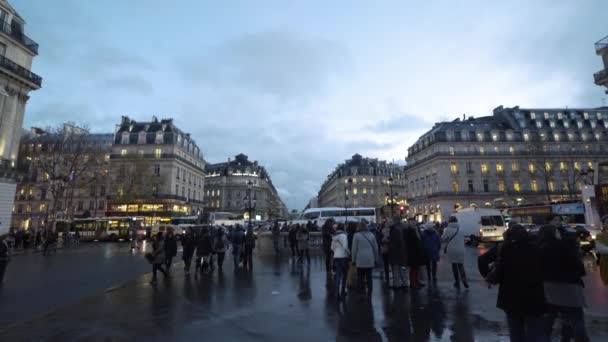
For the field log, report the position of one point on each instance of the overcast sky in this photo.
(302, 87)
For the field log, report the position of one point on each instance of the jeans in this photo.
(431, 271)
(187, 263)
(328, 256)
(525, 328)
(573, 323)
(168, 262)
(158, 267)
(236, 252)
(364, 277)
(399, 275)
(275, 243)
(459, 274)
(302, 252)
(341, 268)
(220, 259)
(387, 266)
(248, 256)
(294, 248)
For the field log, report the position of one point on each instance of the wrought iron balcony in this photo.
(601, 77)
(16, 32)
(21, 71)
(601, 44)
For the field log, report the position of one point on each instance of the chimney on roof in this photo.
(464, 116)
(154, 119)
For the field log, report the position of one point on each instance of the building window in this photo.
(177, 190)
(514, 166)
(80, 205)
(157, 170)
(486, 185)
(482, 151)
(140, 153)
(28, 208)
(562, 166)
(531, 167)
(565, 186)
(91, 205)
(548, 166)
(123, 152)
(183, 192)
(511, 150)
(533, 116)
(534, 185)
(526, 137)
(451, 150)
(364, 179)
(212, 193)
(470, 184)
(42, 207)
(188, 194)
(102, 205)
(577, 165)
(516, 186)
(178, 172)
(364, 191)
(484, 168)
(501, 185)
(454, 168)
(354, 191)
(499, 168)
(551, 186)
(158, 153)
(469, 167)
(455, 186)
(218, 192)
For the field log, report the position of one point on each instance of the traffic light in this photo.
(401, 211)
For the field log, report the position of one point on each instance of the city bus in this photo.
(339, 214)
(220, 218)
(106, 228)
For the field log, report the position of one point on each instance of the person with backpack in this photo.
(220, 244)
(237, 238)
(203, 252)
(188, 247)
(4, 258)
(249, 247)
(170, 249)
(453, 240)
(341, 253)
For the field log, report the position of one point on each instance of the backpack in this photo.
(219, 243)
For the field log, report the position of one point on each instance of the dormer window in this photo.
(539, 124)
(560, 116)
(533, 116)
(124, 139)
(546, 116)
(571, 136)
(567, 124)
(159, 137)
(593, 124)
(557, 136)
(579, 123)
(586, 116)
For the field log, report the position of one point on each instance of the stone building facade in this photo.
(17, 52)
(227, 189)
(515, 156)
(371, 181)
(167, 166)
(601, 77)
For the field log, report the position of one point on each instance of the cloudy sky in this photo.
(302, 87)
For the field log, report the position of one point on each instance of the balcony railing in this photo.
(19, 70)
(16, 32)
(601, 77)
(601, 44)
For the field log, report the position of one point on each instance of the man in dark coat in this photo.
(415, 253)
(327, 234)
(293, 240)
(170, 249)
(397, 255)
(203, 251)
(188, 246)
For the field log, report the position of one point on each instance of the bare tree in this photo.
(572, 176)
(135, 178)
(540, 165)
(63, 161)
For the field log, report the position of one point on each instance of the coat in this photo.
(171, 246)
(303, 236)
(455, 247)
(204, 246)
(365, 250)
(413, 245)
(397, 254)
(601, 245)
(217, 242)
(432, 244)
(188, 246)
(519, 277)
(339, 245)
(158, 251)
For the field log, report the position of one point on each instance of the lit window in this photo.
(42, 207)
(364, 191)
(511, 150)
(534, 185)
(454, 168)
(577, 165)
(551, 186)
(514, 166)
(123, 152)
(526, 137)
(531, 167)
(455, 186)
(212, 193)
(557, 136)
(562, 166)
(586, 116)
(533, 116)
(371, 190)
(451, 151)
(484, 168)
(565, 186)
(501, 185)
(355, 180)
(479, 136)
(218, 192)
(516, 186)
(546, 116)
(157, 153)
(495, 137)
(589, 165)
(355, 191)
(499, 168)
(364, 179)
(482, 151)
(107, 157)
(548, 166)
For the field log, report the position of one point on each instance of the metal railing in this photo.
(600, 77)
(601, 44)
(16, 32)
(19, 70)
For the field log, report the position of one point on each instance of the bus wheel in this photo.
(474, 241)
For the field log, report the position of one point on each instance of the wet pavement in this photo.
(279, 301)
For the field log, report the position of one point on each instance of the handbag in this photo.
(445, 249)
(351, 276)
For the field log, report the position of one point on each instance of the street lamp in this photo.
(350, 185)
(391, 195)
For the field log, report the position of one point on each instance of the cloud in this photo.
(286, 65)
(131, 82)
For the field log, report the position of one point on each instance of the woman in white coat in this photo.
(453, 242)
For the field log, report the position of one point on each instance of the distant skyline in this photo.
(301, 87)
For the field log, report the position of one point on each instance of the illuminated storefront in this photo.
(153, 211)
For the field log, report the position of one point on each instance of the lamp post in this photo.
(249, 186)
(350, 185)
(391, 195)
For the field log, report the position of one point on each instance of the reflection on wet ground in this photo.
(279, 300)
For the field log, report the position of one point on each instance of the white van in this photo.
(481, 224)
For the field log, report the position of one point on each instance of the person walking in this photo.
(276, 238)
(562, 273)
(453, 240)
(203, 252)
(601, 246)
(516, 268)
(4, 258)
(365, 258)
(415, 253)
(293, 240)
(327, 232)
(188, 247)
(397, 254)
(432, 246)
(303, 237)
(220, 244)
(170, 249)
(237, 239)
(384, 246)
(339, 248)
(249, 247)
(158, 257)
